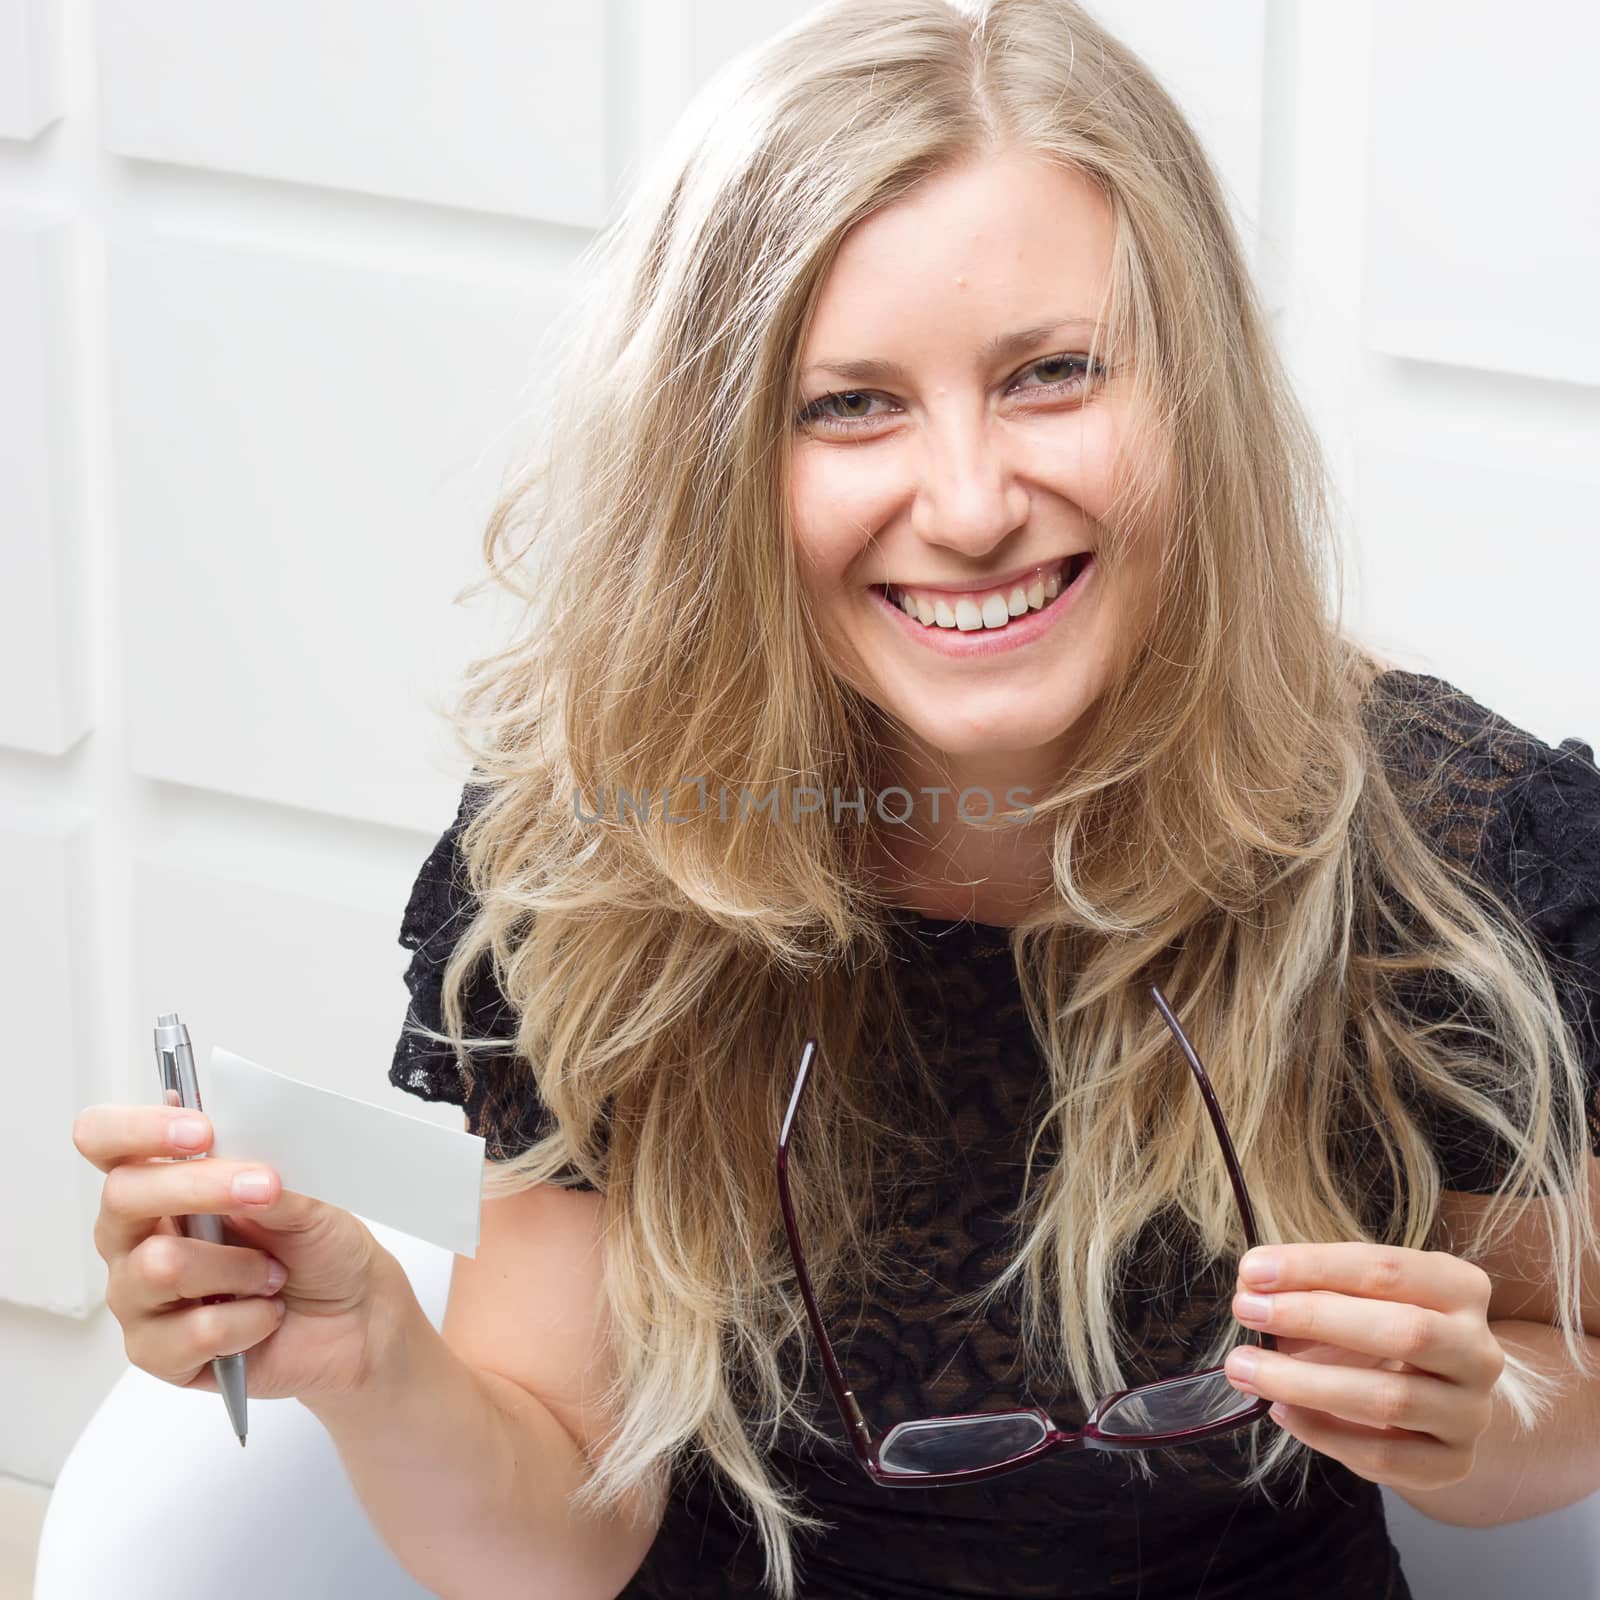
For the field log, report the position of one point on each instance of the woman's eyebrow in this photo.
(874, 369)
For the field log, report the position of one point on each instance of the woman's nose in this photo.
(968, 498)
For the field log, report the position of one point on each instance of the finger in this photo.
(178, 1345)
(1371, 1396)
(1432, 1278)
(109, 1135)
(166, 1269)
(1316, 1350)
(1391, 1456)
(137, 1193)
(1448, 1344)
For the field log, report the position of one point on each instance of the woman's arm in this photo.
(1518, 1473)
(465, 1475)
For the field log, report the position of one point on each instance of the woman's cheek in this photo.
(1081, 467)
(813, 512)
(833, 521)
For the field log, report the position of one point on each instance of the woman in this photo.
(930, 652)
(736, 505)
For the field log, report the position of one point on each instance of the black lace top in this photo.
(1079, 1524)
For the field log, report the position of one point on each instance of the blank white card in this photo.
(403, 1171)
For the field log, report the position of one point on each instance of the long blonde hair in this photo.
(1229, 829)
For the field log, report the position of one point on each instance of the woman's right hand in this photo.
(314, 1335)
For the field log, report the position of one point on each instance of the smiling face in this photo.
(946, 488)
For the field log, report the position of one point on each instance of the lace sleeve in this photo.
(502, 1105)
(1533, 814)
(1554, 865)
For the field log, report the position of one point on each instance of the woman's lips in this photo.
(1019, 631)
(1055, 573)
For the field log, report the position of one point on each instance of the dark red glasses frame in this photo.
(1090, 1436)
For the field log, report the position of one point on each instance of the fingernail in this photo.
(252, 1186)
(276, 1273)
(190, 1132)
(1259, 1267)
(1252, 1307)
(1242, 1363)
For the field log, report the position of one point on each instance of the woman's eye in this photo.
(1066, 365)
(815, 412)
(1074, 370)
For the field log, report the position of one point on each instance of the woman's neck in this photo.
(938, 862)
(991, 875)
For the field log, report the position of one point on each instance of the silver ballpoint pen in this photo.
(180, 1087)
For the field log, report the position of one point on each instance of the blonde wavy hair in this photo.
(1228, 829)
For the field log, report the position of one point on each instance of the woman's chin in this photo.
(980, 731)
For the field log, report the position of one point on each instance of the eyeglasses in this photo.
(936, 1451)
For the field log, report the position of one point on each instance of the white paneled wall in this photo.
(271, 282)
(43, 628)
(499, 107)
(32, 67)
(1484, 208)
(321, 450)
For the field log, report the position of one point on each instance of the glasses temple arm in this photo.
(1235, 1174)
(860, 1434)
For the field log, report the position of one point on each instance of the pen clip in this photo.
(175, 1063)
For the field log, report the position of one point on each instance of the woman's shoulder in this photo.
(1523, 817)
(500, 1095)
(1494, 795)
(440, 898)
(437, 910)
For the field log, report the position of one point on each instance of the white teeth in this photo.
(989, 611)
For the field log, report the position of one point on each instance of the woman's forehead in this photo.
(972, 257)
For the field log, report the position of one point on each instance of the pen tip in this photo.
(241, 1441)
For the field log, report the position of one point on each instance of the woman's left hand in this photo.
(1385, 1359)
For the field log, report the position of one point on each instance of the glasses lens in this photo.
(1179, 1403)
(957, 1444)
